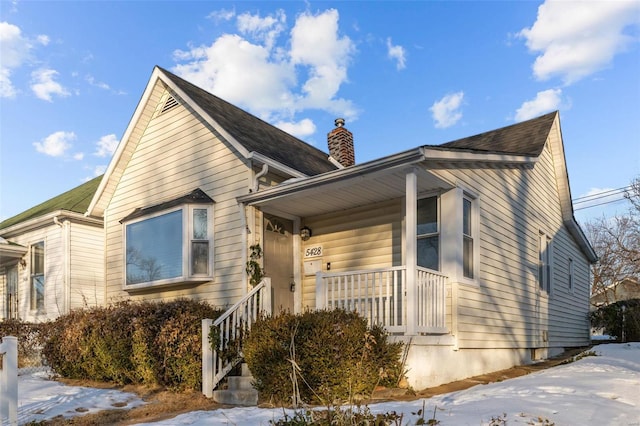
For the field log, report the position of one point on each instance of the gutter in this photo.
(398, 160)
(45, 220)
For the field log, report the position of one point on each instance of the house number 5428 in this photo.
(314, 251)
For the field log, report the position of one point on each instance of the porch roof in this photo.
(10, 252)
(343, 189)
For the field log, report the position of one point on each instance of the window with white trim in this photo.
(170, 245)
(37, 276)
(428, 233)
(544, 263)
(468, 263)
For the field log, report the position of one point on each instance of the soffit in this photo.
(350, 192)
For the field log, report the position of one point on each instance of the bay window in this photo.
(169, 243)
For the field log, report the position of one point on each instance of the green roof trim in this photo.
(75, 200)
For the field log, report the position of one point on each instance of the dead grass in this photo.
(162, 404)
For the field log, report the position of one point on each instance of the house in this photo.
(627, 289)
(51, 258)
(467, 251)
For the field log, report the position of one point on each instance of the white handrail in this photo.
(231, 327)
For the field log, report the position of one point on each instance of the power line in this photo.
(599, 204)
(602, 194)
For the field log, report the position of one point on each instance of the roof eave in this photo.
(468, 156)
(398, 160)
(47, 220)
(253, 155)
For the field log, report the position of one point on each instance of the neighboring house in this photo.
(627, 289)
(467, 251)
(51, 258)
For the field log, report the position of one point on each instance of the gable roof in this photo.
(75, 200)
(255, 134)
(525, 138)
(252, 137)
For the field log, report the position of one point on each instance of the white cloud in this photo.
(44, 86)
(446, 111)
(316, 45)
(222, 15)
(13, 51)
(99, 84)
(288, 75)
(398, 53)
(577, 38)
(545, 101)
(265, 29)
(221, 69)
(300, 129)
(56, 144)
(7, 89)
(99, 170)
(43, 39)
(78, 156)
(106, 146)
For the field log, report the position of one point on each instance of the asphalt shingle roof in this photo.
(525, 138)
(255, 134)
(75, 200)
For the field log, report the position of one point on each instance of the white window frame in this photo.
(438, 232)
(187, 275)
(33, 303)
(475, 236)
(545, 264)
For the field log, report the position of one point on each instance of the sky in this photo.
(593, 390)
(402, 74)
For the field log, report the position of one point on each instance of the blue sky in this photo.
(403, 74)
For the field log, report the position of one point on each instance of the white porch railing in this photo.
(230, 329)
(380, 296)
(431, 301)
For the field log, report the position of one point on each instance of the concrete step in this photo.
(244, 398)
(239, 383)
(239, 390)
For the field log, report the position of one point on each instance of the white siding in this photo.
(506, 309)
(86, 266)
(174, 155)
(364, 238)
(53, 274)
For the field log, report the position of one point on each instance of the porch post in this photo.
(411, 235)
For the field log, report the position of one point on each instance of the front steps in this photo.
(239, 390)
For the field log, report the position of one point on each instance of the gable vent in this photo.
(169, 104)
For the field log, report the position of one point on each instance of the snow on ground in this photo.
(594, 390)
(40, 399)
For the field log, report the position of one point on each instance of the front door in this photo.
(12, 293)
(278, 261)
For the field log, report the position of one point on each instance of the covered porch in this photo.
(395, 292)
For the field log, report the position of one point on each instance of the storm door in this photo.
(278, 261)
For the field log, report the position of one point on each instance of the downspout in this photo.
(256, 178)
(66, 234)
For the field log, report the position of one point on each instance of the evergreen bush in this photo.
(620, 319)
(335, 355)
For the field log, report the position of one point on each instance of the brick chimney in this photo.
(340, 142)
